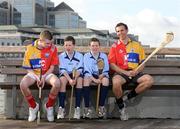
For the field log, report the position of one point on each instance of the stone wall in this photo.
(152, 104)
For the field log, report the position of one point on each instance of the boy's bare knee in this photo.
(23, 85)
(57, 84)
(86, 82)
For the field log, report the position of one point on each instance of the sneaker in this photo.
(123, 114)
(61, 113)
(87, 113)
(101, 112)
(50, 113)
(33, 113)
(77, 113)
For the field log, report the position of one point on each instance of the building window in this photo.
(39, 15)
(60, 42)
(8, 44)
(52, 20)
(2, 44)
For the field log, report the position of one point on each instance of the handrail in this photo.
(83, 49)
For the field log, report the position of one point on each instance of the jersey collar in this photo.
(67, 57)
(120, 42)
(94, 57)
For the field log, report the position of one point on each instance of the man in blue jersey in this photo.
(91, 74)
(70, 60)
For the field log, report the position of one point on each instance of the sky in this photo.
(149, 19)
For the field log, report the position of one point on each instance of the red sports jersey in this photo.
(118, 55)
(126, 56)
(35, 58)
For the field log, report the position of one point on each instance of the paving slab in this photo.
(93, 124)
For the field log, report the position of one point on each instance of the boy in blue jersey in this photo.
(70, 60)
(91, 74)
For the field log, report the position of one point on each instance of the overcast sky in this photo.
(150, 19)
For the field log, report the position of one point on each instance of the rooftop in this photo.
(63, 7)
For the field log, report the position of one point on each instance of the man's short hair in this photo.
(94, 40)
(122, 24)
(70, 38)
(46, 34)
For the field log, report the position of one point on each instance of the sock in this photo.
(103, 95)
(31, 101)
(132, 94)
(120, 103)
(51, 100)
(62, 97)
(86, 93)
(78, 97)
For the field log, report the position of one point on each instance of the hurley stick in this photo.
(100, 64)
(168, 38)
(40, 103)
(72, 90)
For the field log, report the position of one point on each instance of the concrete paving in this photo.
(93, 124)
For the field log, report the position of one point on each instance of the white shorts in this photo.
(33, 77)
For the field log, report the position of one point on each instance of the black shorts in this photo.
(71, 76)
(132, 80)
(95, 76)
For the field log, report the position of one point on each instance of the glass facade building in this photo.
(4, 12)
(66, 17)
(39, 12)
(3, 16)
(24, 12)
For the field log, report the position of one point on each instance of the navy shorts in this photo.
(71, 76)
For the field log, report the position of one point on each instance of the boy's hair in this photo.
(46, 34)
(94, 40)
(122, 24)
(70, 38)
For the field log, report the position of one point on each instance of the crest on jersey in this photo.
(132, 50)
(120, 51)
(47, 55)
(70, 63)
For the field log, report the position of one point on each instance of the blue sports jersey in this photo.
(90, 65)
(67, 64)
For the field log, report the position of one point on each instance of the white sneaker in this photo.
(77, 113)
(123, 114)
(101, 112)
(61, 113)
(33, 113)
(50, 113)
(87, 113)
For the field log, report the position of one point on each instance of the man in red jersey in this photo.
(124, 57)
